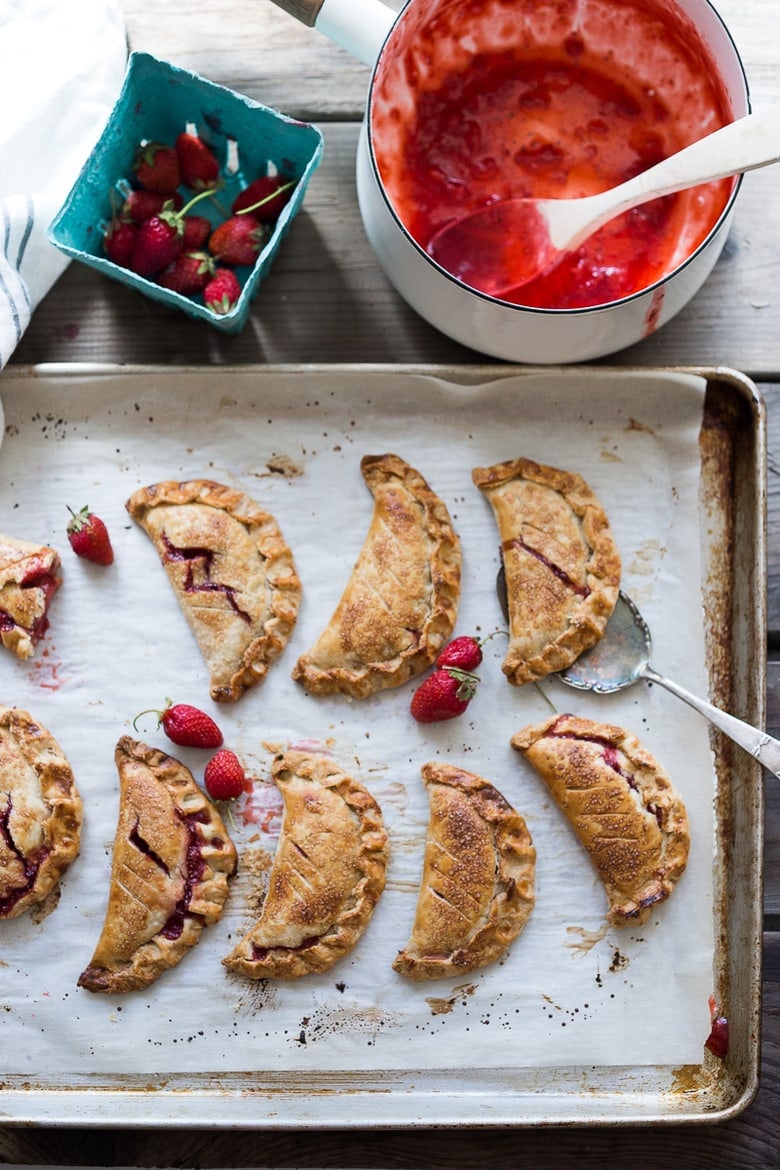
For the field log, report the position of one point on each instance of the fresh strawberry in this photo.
(264, 197)
(157, 245)
(224, 778)
(186, 725)
(464, 652)
(189, 273)
(238, 240)
(222, 291)
(88, 537)
(445, 694)
(156, 167)
(197, 230)
(140, 205)
(119, 241)
(160, 239)
(198, 166)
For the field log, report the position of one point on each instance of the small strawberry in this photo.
(224, 778)
(88, 537)
(189, 273)
(159, 239)
(198, 166)
(238, 240)
(156, 167)
(264, 197)
(140, 205)
(197, 230)
(464, 652)
(119, 241)
(222, 292)
(445, 694)
(186, 725)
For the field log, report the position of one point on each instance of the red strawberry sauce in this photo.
(552, 118)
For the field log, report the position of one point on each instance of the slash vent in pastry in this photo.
(561, 564)
(232, 572)
(171, 864)
(621, 804)
(29, 578)
(400, 604)
(477, 887)
(40, 813)
(327, 876)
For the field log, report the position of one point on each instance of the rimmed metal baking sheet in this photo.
(732, 519)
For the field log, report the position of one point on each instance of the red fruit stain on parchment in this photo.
(45, 672)
(264, 808)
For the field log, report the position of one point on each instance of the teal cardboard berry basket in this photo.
(158, 101)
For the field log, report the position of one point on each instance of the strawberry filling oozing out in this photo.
(612, 758)
(35, 578)
(194, 867)
(30, 865)
(204, 556)
(518, 543)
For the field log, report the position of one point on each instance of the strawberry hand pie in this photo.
(29, 578)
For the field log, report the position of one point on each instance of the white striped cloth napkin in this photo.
(61, 70)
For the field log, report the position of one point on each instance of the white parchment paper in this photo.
(570, 991)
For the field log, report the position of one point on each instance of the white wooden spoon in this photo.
(505, 244)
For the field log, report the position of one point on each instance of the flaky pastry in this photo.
(477, 888)
(171, 864)
(232, 572)
(327, 876)
(40, 812)
(29, 578)
(620, 803)
(561, 564)
(401, 601)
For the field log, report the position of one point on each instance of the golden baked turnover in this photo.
(327, 876)
(620, 803)
(401, 601)
(232, 572)
(171, 864)
(40, 813)
(29, 578)
(477, 888)
(561, 564)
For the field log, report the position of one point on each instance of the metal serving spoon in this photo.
(505, 244)
(622, 657)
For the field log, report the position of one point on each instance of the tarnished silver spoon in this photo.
(622, 657)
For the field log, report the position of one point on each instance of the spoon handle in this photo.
(742, 145)
(759, 745)
(360, 28)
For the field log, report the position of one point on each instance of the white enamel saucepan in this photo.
(686, 81)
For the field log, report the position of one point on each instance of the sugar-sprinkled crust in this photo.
(401, 601)
(621, 804)
(232, 572)
(41, 812)
(561, 564)
(477, 888)
(171, 865)
(327, 876)
(29, 578)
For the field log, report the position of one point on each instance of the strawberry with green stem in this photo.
(222, 292)
(444, 694)
(88, 537)
(185, 725)
(156, 168)
(264, 198)
(160, 238)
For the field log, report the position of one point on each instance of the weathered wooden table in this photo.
(325, 301)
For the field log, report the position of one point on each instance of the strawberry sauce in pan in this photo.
(564, 100)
